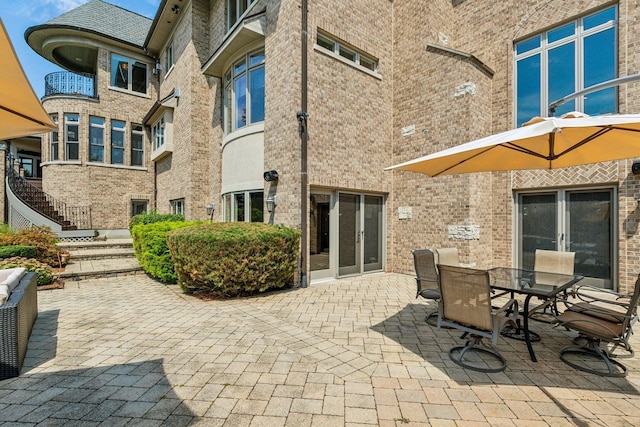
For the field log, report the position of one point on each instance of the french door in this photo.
(580, 221)
(346, 234)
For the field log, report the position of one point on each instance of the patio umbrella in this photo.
(542, 143)
(21, 113)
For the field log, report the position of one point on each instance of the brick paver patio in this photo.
(356, 352)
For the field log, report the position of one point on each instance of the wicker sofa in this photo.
(17, 316)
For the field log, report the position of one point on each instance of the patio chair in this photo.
(448, 256)
(465, 305)
(550, 262)
(598, 320)
(426, 280)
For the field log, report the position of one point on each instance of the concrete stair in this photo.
(91, 260)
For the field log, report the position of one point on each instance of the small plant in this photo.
(5, 229)
(44, 274)
(42, 238)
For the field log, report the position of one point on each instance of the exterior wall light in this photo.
(211, 208)
(271, 203)
(271, 175)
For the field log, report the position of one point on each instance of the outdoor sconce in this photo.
(271, 175)
(271, 203)
(211, 208)
(635, 167)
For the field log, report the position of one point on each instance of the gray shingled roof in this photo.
(104, 18)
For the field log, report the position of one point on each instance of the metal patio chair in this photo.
(427, 280)
(465, 305)
(550, 262)
(607, 318)
(448, 256)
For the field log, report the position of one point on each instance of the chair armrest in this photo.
(507, 306)
(592, 294)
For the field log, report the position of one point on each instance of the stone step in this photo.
(71, 247)
(79, 269)
(101, 253)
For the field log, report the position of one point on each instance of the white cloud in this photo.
(40, 11)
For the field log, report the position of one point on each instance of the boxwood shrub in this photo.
(150, 248)
(152, 217)
(234, 258)
(17, 250)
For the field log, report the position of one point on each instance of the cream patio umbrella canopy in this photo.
(21, 113)
(542, 143)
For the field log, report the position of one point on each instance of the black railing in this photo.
(67, 83)
(69, 217)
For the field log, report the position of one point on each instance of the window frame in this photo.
(122, 131)
(55, 137)
(340, 49)
(230, 208)
(545, 47)
(131, 63)
(139, 202)
(93, 146)
(239, 11)
(137, 130)
(158, 131)
(69, 143)
(177, 206)
(242, 68)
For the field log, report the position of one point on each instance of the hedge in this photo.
(150, 248)
(233, 259)
(42, 238)
(17, 250)
(153, 217)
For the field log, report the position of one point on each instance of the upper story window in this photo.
(54, 138)
(117, 142)
(157, 134)
(168, 56)
(244, 92)
(235, 9)
(564, 60)
(128, 74)
(350, 54)
(137, 145)
(71, 136)
(96, 139)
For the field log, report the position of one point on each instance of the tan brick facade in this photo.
(357, 119)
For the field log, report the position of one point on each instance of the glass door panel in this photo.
(373, 233)
(538, 226)
(589, 230)
(349, 234)
(319, 233)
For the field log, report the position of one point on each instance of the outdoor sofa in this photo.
(18, 313)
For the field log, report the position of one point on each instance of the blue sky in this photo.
(17, 16)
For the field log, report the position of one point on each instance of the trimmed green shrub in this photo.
(234, 258)
(42, 238)
(44, 274)
(17, 250)
(153, 217)
(150, 248)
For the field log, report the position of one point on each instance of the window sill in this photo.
(129, 92)
(346, 61)
(166, 75)
(62, 162)
(162, 151)
(117, 166)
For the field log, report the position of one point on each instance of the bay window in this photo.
(71, 136)
(54, 138)
(137, 145)
(244, 101)
(96, 139)
(244, 206)
(566, 59)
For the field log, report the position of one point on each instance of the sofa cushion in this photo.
(4, 294)
(11, 277)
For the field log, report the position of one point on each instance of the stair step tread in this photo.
(111, 243)
(97, 268)
(102, 253)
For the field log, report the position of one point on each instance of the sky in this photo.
(18, 15)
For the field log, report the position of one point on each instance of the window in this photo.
(54, 138)
(177, 206)
(128, 74)
(117, 142)
(96, 139)
(245, 206)
(169, 57)
(235, 10)
(26, 163)
(348, 53)
(71, 127)
(564, 60)
(137, 145)
(244, 92)
(139, 207)
(157, 134)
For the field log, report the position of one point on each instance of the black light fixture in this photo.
(271, 175)
(635, 167)
(175, 9)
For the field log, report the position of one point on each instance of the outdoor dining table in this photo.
(530, 283)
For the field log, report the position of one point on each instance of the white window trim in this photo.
(99, 126)
(232, 110)
(66, 133)
(122, 130)
(239, 19)
(335, 53)
(131, 149)
(130, 81)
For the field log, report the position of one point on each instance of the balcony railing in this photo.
(67, 83)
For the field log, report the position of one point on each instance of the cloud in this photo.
(40, 11)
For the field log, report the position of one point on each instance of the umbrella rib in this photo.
(463, 161)
(597, 134)
(9, 110)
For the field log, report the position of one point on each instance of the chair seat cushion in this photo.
(430, 294)
(601, 312)
(589, 325)
(11, 277)
(4, 294)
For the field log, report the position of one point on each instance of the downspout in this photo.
(303, 115)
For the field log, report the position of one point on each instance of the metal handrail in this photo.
(67, 83)
(78, 217)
